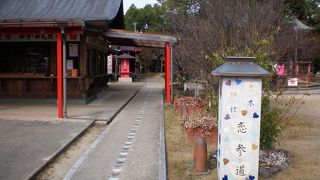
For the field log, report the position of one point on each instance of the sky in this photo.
(137, 3)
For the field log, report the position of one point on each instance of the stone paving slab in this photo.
(129, 147)
(31, 134)
(102, 108)
(25, 146)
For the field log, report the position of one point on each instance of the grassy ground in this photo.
(302, 139)
(179, 152)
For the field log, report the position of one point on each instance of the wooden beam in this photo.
(138, 39)
(136, 43)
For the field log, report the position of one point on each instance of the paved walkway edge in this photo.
(34, 174)
(121, 108)
(162, 151)
(75, 167)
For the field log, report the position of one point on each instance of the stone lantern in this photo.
(240, 90)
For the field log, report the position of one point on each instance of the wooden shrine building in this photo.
(44, 44)
(40, 37)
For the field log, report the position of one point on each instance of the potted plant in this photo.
(200, 124)
(188, 105)
(201, 128)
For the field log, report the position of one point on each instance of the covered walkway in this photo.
(136, 39)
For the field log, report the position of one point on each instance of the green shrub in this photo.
(270, 129)
(276, 116)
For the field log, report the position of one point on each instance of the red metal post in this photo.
(167, 73)
(59, 76)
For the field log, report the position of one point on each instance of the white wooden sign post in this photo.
(239, 118)
(109, 64)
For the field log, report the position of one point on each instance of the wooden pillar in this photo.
(297, 70)
(167, 72)
(59, 76)
(309, 70)
(83, 56)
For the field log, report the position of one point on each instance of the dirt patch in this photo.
(59, 168)
(302, 139)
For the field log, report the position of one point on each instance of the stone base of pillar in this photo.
(125, 80)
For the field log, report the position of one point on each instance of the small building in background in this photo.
(127, 66)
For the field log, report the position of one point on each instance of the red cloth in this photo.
(280, 70)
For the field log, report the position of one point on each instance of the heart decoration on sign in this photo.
(227, 117)
(228, 83)
(238, 81)
(225, 161)
(254, 146)
(251, 177)
(255, 115)
(244, 112)
(225, 177)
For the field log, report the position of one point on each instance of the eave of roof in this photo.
(127, 38)
(298, 25)
(240, 67)
(125, 56)
(31, 12)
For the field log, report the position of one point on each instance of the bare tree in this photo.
(208, 29)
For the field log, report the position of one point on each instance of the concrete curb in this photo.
(34, 174)
(311, 90)
(122, 107)
(162, 150)
(75, 167)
